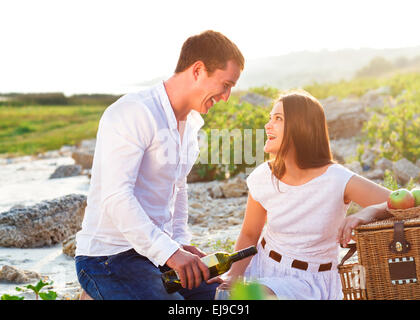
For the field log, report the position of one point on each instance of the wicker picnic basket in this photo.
(350, 275)
(405, 213)
(389, 261)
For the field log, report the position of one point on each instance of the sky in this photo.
(92, 46)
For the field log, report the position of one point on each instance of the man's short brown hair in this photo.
(212, 48)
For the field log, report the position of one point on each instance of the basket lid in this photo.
(387, 224)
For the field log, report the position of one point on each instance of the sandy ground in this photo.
(25, 182)
(49, 262)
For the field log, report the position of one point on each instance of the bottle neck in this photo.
(244, 253)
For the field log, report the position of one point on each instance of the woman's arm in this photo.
(254, 220)
(369, 195)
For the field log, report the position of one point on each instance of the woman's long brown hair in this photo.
(305, 128)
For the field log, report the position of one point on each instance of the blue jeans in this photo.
(131, 276)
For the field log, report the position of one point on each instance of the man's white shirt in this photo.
(138, 191)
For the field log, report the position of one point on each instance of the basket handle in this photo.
(349, 254)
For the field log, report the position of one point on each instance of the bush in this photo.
(395, 130)
(231, 139)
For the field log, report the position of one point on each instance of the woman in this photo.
(302, 195)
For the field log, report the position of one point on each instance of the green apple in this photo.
(400, 199)
(416, 194)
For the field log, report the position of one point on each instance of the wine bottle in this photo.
(218, 263)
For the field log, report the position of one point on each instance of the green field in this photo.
(33, 129)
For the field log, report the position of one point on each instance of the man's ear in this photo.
(198, 69)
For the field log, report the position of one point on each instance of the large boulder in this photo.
(345, 117)
(43, 224)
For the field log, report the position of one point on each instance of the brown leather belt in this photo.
(298, 264)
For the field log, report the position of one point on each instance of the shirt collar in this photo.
(194, 118)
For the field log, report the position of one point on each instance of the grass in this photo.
(34, 129)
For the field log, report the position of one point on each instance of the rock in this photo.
(377, 97)
(69, 246)
(43, 224)
(368, 158)
(384, 164)
(345, 118)
(67, 171)
(235, 187)
(67, 150)
(234, 221)
(256, 99)
(418, 163)
(215, 192)
(15, 275)
(84, 153)
(17, 206)
(83, 158)
(196, 205)
(355, 166)
(48, 154)
(405, 169)
(375, 174)
(88, 144)
(343, 149)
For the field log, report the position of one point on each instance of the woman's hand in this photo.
(366, 215)
(345, 230)
(228, 279)
(217, 279)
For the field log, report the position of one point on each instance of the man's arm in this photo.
(123, 137)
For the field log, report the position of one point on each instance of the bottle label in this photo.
(210, 260)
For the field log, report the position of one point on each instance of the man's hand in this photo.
(198, 252)
(191, 270)
(194, 250)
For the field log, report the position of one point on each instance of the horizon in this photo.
(146, 83)
(109, 47)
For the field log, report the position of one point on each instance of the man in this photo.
(135, 223)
